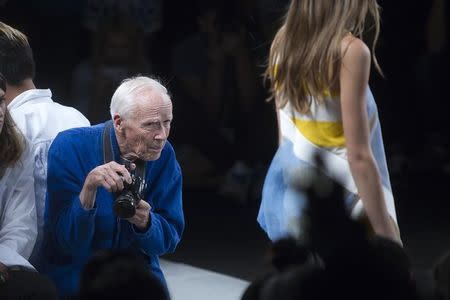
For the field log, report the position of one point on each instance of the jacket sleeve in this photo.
(71, 227)
(18, 229)
(166, 216)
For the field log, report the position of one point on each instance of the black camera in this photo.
(127, 200)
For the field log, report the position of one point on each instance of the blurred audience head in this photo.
(148, 15)
(119, 275)
(219, 16)
(118, 40)
(338, 257)
(328, 228)
(441, 274)
(16, 56)
(387, 266)
(390, 255)
(287, 253)
(301, 282)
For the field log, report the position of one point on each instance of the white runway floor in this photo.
(186, 282)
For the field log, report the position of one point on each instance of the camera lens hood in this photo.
(124, 207)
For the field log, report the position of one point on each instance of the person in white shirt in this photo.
(18, 226)
(38, 117)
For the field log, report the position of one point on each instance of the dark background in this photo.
(222, 234)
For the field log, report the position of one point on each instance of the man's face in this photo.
(2, 108)
(145, 131)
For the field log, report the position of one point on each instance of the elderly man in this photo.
(93, 202)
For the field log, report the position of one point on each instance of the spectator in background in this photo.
(401, 59)
(118, 274)
(146, 14)
(18, 226)
(433, 283)
(408, 75)
(441, 274)
(319, 73)
(377, 270)
(431, 70)
(271, 12)
(39, 118)
(117, 53)
(220, 95)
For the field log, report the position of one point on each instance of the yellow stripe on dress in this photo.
(322, 133)
(328, 94)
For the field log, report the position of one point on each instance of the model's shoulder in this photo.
(355, 53)
(354, 48)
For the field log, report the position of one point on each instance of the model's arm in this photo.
(354, 78)
(18, 227)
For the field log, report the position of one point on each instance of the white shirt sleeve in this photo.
(18, 224)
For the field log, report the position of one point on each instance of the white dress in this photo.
(320, 130)
(18, 225)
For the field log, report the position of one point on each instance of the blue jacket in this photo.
(73, 234)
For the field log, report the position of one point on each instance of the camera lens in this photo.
(124, 206)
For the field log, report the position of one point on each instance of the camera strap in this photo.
(107, 146)
(108, 154)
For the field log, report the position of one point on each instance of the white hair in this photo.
(125, 97)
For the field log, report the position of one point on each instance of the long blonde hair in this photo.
(305, 56)
(12, 142)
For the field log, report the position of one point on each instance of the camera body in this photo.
(127, 200)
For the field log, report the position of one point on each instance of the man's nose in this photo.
(161, 133)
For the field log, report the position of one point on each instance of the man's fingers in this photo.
(121, 170)
(141, 217)
(136, 219)
(118, 180)
(108, 184)
(116, 174)
(143, 205)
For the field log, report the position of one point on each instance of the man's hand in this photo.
(111, 176)
(142, 216)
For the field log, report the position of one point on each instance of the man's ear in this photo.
(117, 120)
